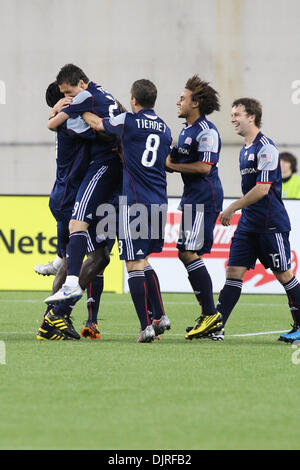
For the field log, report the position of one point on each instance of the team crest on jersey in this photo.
(251, 157)
(188, 140)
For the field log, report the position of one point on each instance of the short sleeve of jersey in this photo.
(208, 146)
(77, 126)
(114, 125)
(81, 103)
(267, 164)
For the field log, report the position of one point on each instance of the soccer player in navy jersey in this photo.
(263, 229)
(146, 141)
(196, 157)
(72, 163)
(102, 177)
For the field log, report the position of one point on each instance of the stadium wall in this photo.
(243, 47)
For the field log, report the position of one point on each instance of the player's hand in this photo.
(226, 216)
(62, 103)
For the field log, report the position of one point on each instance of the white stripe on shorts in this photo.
(127, 235)
(281, 251)
(192, 242)
(88, 193)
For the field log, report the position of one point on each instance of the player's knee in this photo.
(77, 226)
(183, 256)
(235, 272)
(284, 276)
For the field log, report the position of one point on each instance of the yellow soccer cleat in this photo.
(206, 324)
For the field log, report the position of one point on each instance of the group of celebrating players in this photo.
(109, 156)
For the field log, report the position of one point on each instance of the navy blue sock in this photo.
(292, 289)
(93, 293)
(76, 250)
(228, 297)
(64, 308)
(153, 292)
(200, 281)
(138, 291)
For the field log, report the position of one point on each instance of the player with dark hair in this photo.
(71, 75)
(102, 177)
(72, 164)
(290, 181)
(263, 229)
(196, 157)
(146, 141)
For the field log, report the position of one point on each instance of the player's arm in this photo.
(190, 168)
(207, 155)
(57, 120)
(259, 191)
(94, 121)
(55, 117)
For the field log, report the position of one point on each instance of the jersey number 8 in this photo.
(152, 144)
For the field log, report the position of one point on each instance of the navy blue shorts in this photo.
(97, 187)
(149, 227)
(197, 234)
(93, 240)
(272, 249)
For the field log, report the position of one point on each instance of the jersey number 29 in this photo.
(152, 144)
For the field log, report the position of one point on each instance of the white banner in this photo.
(173, 276)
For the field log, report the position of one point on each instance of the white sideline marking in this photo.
(260, 333)
(167, 302)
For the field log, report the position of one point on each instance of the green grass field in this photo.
(174, 394)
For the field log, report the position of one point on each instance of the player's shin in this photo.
(138, 291)
(292, 289)
(76, 251)
(229, 297)
(201, 283)
(153, 292)
(94, 292)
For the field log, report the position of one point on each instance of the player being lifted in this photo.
(146, 141)
(196, 157)
(263, 229)
(102, 177)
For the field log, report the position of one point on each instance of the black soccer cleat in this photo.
(63, 323)
(46, 332)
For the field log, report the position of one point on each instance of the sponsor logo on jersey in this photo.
(247, 171)
(183, 151)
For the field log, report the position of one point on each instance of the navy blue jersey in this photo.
(146, 141)
(259, 163)
(72, 160)
(201, 142)
(98, 101)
